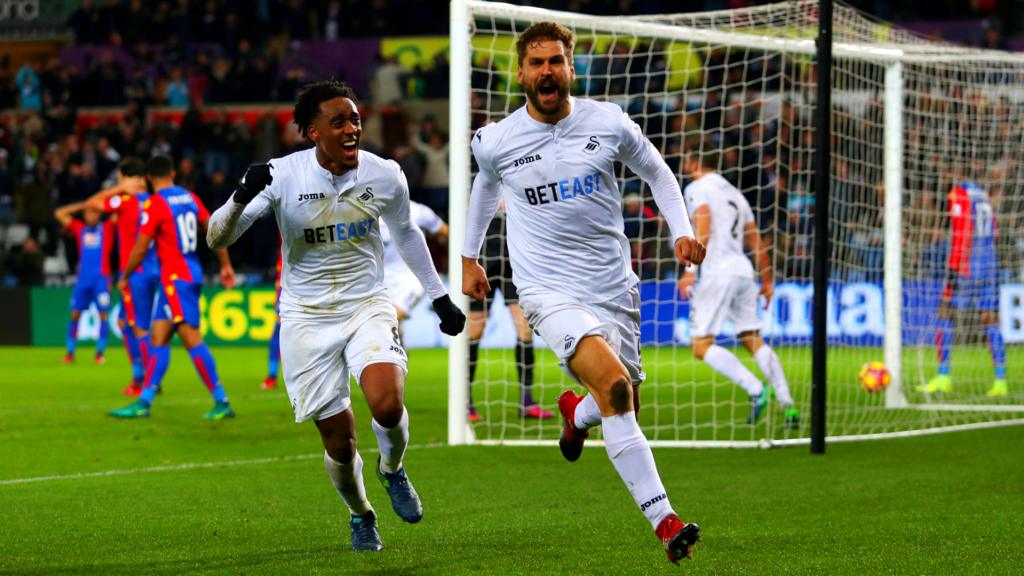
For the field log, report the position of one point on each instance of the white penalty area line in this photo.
(188, 466)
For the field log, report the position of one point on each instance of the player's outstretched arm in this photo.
(128, 185)
(483, 203)
(246, 205)
(637, 152)
(412, 246)
(227, 271)
(690, 250)
(138, 252)
(64, 213)
(752, 240)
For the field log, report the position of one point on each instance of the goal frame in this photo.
(890, 56)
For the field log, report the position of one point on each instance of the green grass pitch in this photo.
(175, 494)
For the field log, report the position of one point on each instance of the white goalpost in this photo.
(911, 119)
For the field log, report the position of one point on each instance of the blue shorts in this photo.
(178, 302)
(89, 289)
(974, 293)
(138, 301)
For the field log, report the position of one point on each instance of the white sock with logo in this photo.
(392, 442)
(727, 364)
(587, 413)
(348, 481)
(632, 457)
(770, 366)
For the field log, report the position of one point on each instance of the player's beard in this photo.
(548, 105)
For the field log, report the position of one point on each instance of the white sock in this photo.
(770, 366)
(348, 481)
(392, 442)
(727, 364)
(632, 457)
(587, 413)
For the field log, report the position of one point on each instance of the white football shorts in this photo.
(318, 356)
(719, 298)
(562, 321)
(404, 290)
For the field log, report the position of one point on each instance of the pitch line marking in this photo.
(188, 466)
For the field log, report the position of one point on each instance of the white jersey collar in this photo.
(347, 180)
(560, 124)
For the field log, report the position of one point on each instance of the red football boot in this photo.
(133, 389)
(572, 438)
(678, 536)
(269, 383)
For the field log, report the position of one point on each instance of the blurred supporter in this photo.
(387, 82)
(30, 94)
(205, 57)
(176, 89)
(24, 263)
(432, 145)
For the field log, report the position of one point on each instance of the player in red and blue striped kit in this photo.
(175, 218)
(95, 240)
(274, 348)
(124, 202)
(972, 282)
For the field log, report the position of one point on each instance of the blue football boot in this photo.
(365, 537)
(757, 405)
(404, 499)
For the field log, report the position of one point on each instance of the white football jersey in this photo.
(424, 218)
(730, 213)
(331, 243)
(562, 201)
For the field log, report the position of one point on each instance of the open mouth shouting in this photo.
(547, 93)
(349, 148)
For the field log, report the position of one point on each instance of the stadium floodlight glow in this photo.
(910, 117)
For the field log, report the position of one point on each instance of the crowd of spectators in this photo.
(766, 134)
(42, 167)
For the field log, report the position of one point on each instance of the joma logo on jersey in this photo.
(338, 232)
(563, 190)
(313, 196)
(525, 160)
(592, 146)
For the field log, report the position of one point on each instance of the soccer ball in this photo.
(874, 376)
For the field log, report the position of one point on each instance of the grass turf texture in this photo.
(914, 506)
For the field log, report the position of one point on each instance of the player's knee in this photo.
(751, 340)
(341, 450)
(988, 317)
(389, 412)
(620, 396)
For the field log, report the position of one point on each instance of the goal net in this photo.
(912, 119)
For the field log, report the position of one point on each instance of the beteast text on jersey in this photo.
(564, 189)
(338, 232)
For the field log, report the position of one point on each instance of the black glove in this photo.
(255, 179)
(452, 319)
